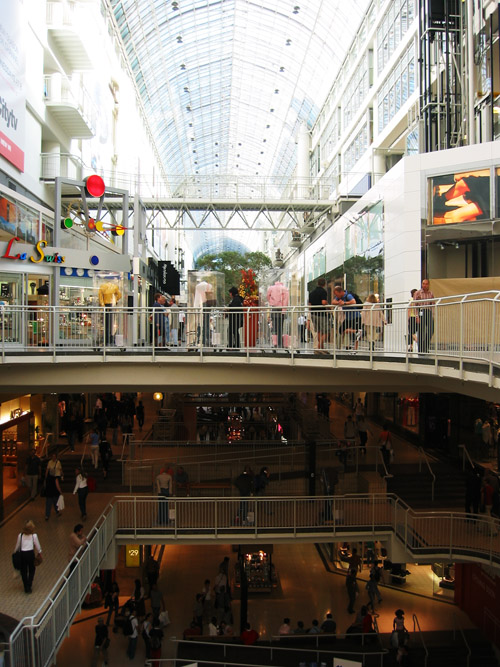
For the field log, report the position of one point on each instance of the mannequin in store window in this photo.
(203, 291)
(278, 298)
(109, 295)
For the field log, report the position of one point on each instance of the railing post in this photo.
(461, 351)
(216, 516)
(295, 517)
(2, 310)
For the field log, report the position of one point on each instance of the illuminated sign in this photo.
(132, 555)
(54, 258)
(460, 197)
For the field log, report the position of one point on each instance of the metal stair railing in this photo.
(416, 626)
(457, 626)
(422, 456)
(436, 535)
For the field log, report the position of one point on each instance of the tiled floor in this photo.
(307, 589)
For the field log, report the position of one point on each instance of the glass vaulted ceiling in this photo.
(226, 84)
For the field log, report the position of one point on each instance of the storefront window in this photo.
(18, 220)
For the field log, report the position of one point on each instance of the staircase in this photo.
(111, 484)
(448, 651)
(415, 487)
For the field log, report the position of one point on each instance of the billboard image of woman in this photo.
(461, 197)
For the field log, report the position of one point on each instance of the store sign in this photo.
(132, 555)
(12, 88)
(50, 258)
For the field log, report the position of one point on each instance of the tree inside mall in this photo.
(231, 263)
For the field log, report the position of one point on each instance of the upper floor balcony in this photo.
(73, 110)
(452, 345)
(65, 34)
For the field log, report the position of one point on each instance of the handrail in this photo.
(456, 626)
(423, 455)
(279, 640)
(37, 638)
(466, 455)
(487, 615)
(416, 624)
(464, 334)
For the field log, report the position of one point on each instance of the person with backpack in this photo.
(156, 636)
(82, 489)
(147, 626)
(101, 641)
(130, 630)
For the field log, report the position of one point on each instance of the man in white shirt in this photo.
(164, 489)
(132, 639)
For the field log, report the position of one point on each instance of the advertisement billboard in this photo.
(460, 197)
(12, 71)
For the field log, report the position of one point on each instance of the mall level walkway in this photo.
(54, 534)
(54, 539)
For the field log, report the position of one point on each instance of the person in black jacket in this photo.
(244, 483)
(101, 641)
(235, 317)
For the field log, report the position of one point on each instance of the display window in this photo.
(429, 579)
(26, 289)
(256, 565)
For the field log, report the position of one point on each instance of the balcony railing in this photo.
(464, 328)
(424, 535)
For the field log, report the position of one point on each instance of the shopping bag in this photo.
(286, 340)
(60, 503)
(250, 518)
(171, 515)
(16, 560)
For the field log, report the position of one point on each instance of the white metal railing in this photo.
(416, 626)
(423, 456)
(278, 648)
(460, 328)
(438, 535)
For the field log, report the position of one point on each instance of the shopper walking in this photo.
(140, 415)
(33, 473)
(147, 626)
(54, 467)
(112, 601)
(156, 636)
(76, 540)
(94, 447)
(398, 626)
(82, 490)
(132, 637)
(29, 547)
(106, 454)
(52, 493)
(101, 642)
(352, 588)
(164, 489)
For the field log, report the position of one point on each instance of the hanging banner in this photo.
(12, 73)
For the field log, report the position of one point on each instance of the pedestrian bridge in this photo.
(256, 348)
(409, 536)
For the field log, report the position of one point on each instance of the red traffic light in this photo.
(95, 185)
